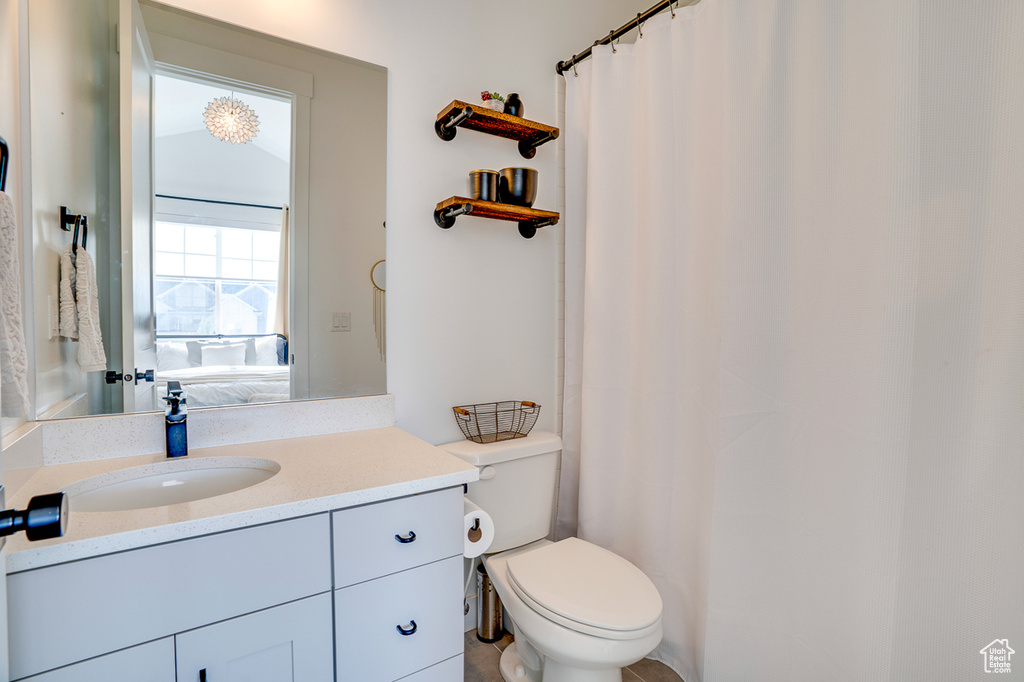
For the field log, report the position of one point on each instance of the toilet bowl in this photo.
(580, 613)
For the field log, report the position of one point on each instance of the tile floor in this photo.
(482, 664)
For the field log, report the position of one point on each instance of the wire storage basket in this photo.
(491, 422)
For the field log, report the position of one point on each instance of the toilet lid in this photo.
(587, 584)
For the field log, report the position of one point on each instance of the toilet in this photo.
(580, 613)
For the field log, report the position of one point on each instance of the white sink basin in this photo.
(170, 482)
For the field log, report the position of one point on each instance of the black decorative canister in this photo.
(517, 186)
(483, 184)
(513, 105)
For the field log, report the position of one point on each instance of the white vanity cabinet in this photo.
(398, 603)
(74, 611)
(288, 643)
(363, 594)
(152, 662)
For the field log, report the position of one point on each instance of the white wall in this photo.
(472, 311)
(190, 165)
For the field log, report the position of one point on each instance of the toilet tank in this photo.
(517, 485)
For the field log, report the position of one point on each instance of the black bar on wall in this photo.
(214, 201)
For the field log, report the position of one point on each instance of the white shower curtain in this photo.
(794, 382)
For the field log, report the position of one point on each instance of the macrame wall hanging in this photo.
(377, 278)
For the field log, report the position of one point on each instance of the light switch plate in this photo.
(341, 322)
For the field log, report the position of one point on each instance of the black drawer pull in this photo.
(412, 536)
(412, 628)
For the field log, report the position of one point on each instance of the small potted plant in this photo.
(493, 100)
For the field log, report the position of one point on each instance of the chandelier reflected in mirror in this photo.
(231, 120)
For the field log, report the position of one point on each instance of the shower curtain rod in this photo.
(562, 67)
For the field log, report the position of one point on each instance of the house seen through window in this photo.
(214, 279)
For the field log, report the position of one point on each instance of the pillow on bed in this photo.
(195, 352)
(266, 351)
(223, 354)
(250, 351)
(195, 349)
(171, 355)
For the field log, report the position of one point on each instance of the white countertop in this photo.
(318, 473)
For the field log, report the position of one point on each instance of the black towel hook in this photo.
(84, 222)
(68, 219)
(5, 154)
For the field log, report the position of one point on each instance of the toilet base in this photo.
(513, 669)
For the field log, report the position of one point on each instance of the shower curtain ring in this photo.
(639, 26)
(672, 8)
(574, 71)
(611, 40)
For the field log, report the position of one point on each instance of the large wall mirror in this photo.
(227, 191)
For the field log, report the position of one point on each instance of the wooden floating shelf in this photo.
(459, 114)
(529, 219)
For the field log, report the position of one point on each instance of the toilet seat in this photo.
(586, 588)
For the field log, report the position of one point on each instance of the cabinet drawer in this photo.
(283, 644)
(369, 646)
(367, 540)
(152, 662)
(70, 612)
(451, 670)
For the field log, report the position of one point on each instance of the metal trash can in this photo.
(488, 608)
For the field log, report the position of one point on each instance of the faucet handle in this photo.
(175, 395)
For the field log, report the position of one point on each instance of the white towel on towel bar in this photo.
(13, 353)
(80, 308)
(68, 312)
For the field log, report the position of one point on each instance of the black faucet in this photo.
(174, 420)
